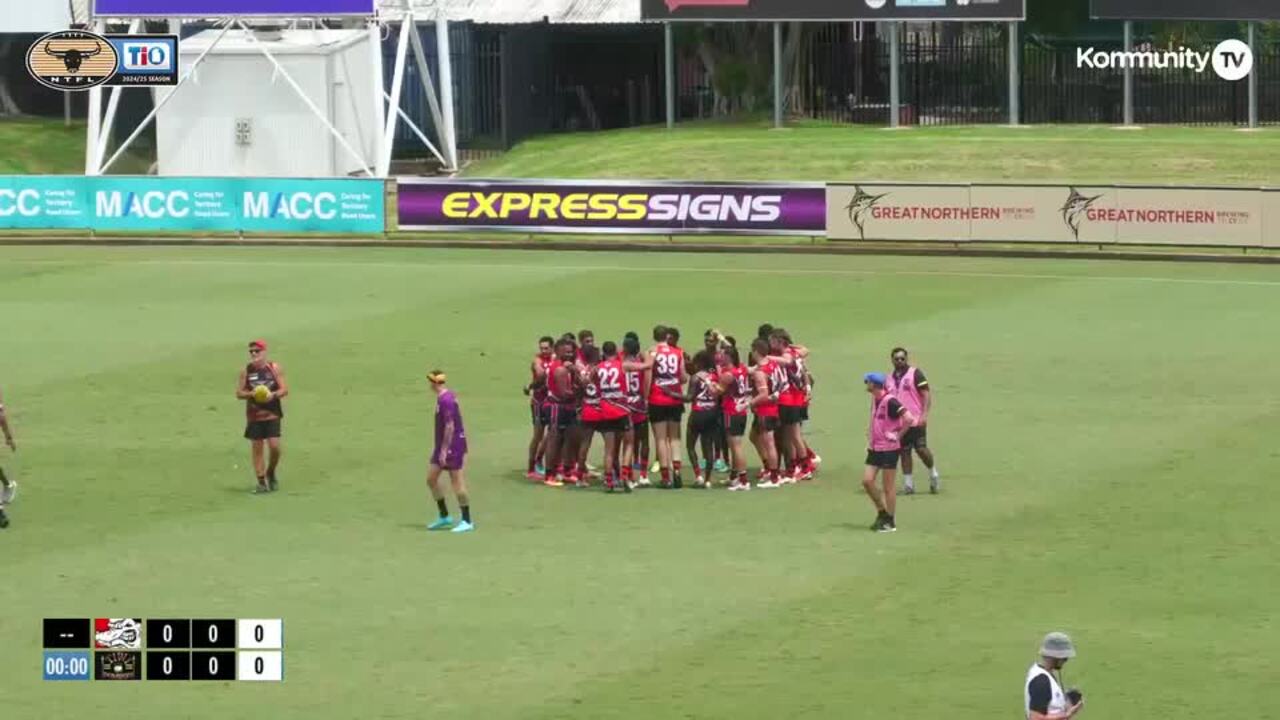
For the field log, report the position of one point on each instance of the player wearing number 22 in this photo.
(449, 455)
(262, 386)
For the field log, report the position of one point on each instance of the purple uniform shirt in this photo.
(448, 453)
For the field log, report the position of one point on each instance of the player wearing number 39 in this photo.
(448, 456)
(262, 386)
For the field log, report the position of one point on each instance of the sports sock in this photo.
(908, 480)
(443, 508)
(262, 479)
(678, 464)
(4, 479)
(933, 472)
(466, 513)
(666, 476)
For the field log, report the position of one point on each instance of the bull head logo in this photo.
(860, 206)
(73, 58)
(1075, 210)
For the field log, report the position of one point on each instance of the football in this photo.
(261, 393)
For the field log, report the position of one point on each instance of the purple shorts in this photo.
(455, 459)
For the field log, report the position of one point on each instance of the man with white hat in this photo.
(1044, 697)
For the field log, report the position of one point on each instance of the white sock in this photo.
(933, 472)
(906, 478)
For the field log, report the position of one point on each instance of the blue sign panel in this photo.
(147, 204)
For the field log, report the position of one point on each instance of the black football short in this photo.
(704, 422)
(915, 438)
(735, 425)
(769, 423)
(790, 414)
(262, 429)
(666, 413)
(883, 459)
(562, 417)
(539, 414)
(804, 413)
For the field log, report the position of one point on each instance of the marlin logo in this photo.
(860, 206)
(1075, 210)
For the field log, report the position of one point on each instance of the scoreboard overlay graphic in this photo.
(158, 649)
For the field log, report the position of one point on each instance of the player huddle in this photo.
(635, 399)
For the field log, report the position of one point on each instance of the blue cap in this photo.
(875, 378)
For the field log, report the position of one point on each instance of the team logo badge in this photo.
(859, 208)
(117, 633)
(72, 60)
(1076, 209)
(118, 666)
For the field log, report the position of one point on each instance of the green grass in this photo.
(1104, 431)
(1080, 154)
(33, 146)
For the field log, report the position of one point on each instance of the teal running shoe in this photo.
(463, 526)
(722, 466)
(443, 523)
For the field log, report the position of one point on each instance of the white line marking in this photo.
(447, 266)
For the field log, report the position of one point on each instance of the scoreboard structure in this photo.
(178, 649)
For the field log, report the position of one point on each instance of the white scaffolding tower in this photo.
(388, 113)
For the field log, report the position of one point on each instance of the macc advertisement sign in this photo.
(124, 204)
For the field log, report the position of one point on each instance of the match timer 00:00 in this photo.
(249, 650)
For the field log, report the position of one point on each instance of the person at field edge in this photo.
(908, 384)
(8, 488)
(884, 432)
(1044, 698)
(264, 412)
(448, 455)
(537, 392)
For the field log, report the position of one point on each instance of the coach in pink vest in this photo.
(889, 417)
(908, 384)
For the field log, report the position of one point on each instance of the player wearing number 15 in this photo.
(449, 455)
(8, 487)
(262, 386)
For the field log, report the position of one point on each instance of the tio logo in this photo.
(1232, 60)
(149, 56)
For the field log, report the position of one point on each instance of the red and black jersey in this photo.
(704, 396)
(738, 397)
(603, 394)
(664, 385)
(561, 394)
(539, 394)
(776, 382)
(266, 375)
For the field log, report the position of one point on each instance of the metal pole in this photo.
(91, 163)
(777, 74)
(895, 98)
(113, 104)
(1128, 74)
(1253, 76)
(1015, 71)
(397, 82)
(66, 109)
(449, 133)
(669, 55)
(378, 89)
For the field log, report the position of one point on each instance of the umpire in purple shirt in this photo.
(448, 456)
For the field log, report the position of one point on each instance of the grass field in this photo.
(751, 151)
(1081, 154)
(30, 146)
(1104, 431)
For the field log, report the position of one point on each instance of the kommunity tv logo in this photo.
(1232, 60)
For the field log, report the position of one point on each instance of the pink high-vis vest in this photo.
(884, 432)
(906, 391)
